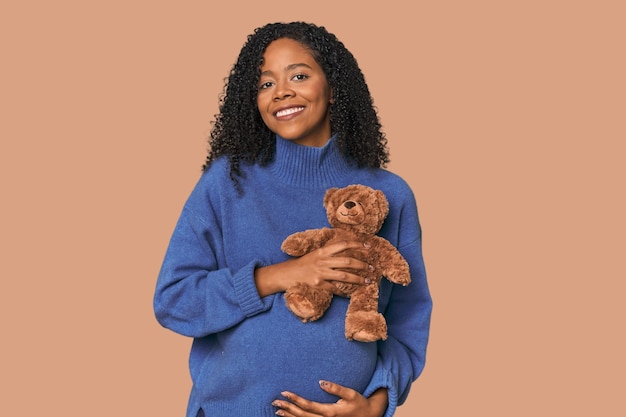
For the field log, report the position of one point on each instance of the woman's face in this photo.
(293, 94)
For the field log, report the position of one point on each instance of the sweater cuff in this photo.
(383, 379)
(247, 293)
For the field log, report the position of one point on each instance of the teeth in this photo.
(291, 110)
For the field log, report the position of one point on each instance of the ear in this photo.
(329, 193)
(383, 204)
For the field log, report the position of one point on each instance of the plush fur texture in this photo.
(355, 212)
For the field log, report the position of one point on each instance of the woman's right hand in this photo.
(317, 269)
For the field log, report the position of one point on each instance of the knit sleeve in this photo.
(195, 294)
(401, 357)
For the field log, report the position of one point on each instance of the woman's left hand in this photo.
(350, 403)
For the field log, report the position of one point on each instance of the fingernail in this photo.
(323, 383)
(275, 403)
(367, 245)
(285, 394)
(368, 281)
(280, 413)
(370, 267)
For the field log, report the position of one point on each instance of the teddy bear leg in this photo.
(307, 303)
(363, 321)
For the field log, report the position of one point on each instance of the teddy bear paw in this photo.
(366, 326)
(403, 279)
(303, 308)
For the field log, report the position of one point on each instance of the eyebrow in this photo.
(289, 68)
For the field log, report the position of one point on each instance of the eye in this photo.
(266, 84)
(299, 77)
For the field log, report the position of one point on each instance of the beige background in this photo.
(506, 117)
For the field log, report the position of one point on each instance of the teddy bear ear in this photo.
(383, 204)
(328, 195)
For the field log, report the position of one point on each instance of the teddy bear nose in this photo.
(349, 204)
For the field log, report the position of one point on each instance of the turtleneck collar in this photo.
(308, 166)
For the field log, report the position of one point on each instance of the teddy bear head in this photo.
(356, 207)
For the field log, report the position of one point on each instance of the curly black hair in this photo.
(240, 134)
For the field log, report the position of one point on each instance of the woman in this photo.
(296, 118)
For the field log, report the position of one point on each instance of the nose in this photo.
(349, 204)
(282, 91)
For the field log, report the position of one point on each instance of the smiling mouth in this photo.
(289, 111)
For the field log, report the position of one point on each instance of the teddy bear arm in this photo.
(394, 267)
(300, 243)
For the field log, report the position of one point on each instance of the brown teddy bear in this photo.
(356, 213)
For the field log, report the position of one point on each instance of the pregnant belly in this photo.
(274, 351)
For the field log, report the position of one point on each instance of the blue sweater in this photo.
(247, 349)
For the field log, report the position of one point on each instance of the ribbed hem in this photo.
(232, 410)
(308, 166)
